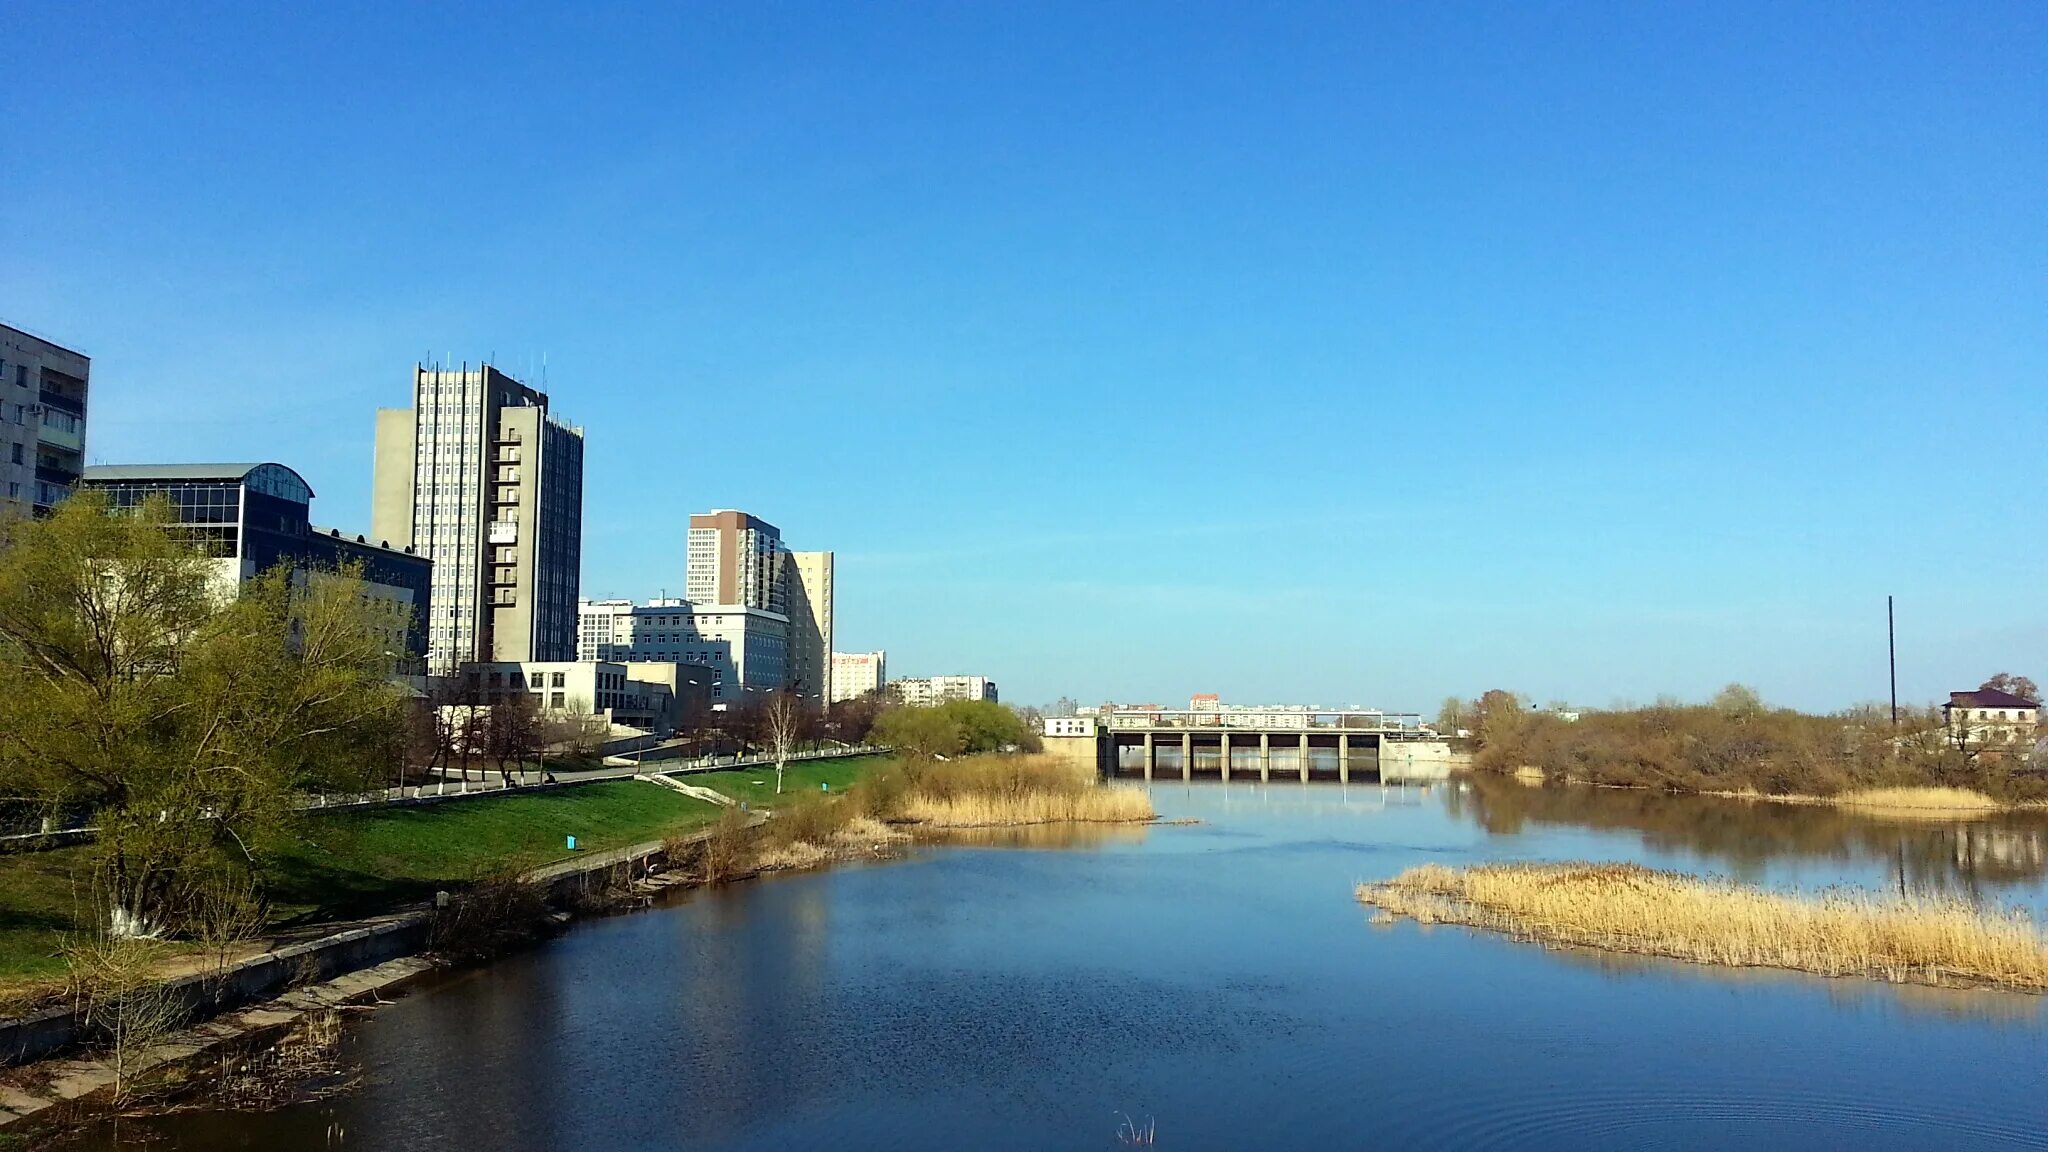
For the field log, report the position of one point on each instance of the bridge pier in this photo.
(1151, 754)
(1223, 739)
(1265, 757)
(1187, 756)
(1344, 757)
(1304, 758)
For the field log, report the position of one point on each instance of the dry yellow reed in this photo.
(1627, 908)
(994, 809)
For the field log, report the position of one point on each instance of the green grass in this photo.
(42, 896)
(359, 863)
(799, 778)
(356, 863)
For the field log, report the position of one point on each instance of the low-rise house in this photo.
(1991, 716)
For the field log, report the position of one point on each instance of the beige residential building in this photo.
(926, 690)
(42, 421)
(807, 576)
(478, 476)
(735, 558)
(855, 674)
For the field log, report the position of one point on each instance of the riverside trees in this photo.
(189, 718)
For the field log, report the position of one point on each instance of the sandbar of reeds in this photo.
(1628, 908)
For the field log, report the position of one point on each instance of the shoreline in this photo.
(1716, 923)
(1905, 801)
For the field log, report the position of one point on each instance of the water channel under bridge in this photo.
(1225, 745)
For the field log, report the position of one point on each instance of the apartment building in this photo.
(855, 674)
(807, 578)
(927, 690)
(735, 558)
(249, 518)
(745, 649)
(42, 421)
(480, 477)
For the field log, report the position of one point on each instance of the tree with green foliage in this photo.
(920, 733)
(190, 716)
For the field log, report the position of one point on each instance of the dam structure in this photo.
(1249, 744)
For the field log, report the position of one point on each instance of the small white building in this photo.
(1070, 726)
(1990, 716)
(649, 696)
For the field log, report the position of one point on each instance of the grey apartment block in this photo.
(478, 476)
(42, 421)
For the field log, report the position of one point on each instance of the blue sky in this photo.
(1347, 353)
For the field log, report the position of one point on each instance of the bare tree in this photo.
(513, 734)
(783, 721)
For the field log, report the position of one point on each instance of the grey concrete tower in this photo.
(478, 476)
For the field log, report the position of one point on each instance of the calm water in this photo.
(1216, 977)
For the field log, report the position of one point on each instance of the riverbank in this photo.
(345, 866)
(1632, 909)
(1923, 803)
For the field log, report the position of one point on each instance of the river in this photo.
(1214, 978)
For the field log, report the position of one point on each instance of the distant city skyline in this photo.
(1339, 354)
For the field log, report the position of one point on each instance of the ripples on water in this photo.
(1217, 977)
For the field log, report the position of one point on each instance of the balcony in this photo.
(55, 474)
(505, 495)
(62, 402)
(505, 436)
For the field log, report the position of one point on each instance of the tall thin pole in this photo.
(1891, 636)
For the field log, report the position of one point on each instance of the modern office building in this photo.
(734, 558)
(855, 674)
(42, 421)
(807, 578)
(249, 518)
(746, 649)
(927, 690)
(482, 478)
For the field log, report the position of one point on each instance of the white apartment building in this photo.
(481, 479)
(927, 690)
(744, 649)
(855, 674)
(42, 421)
(807, 579)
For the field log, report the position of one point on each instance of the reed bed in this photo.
(990, 810)
(1009, 791)
(1627, 908)
(1939, 801)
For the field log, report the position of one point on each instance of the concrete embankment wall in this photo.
(1414, 760)
(364, 945)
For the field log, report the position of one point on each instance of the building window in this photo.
(555, 700)
(558, 681)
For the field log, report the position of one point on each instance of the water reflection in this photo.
(1066, 837)
(1978, 857)
(1217, 976)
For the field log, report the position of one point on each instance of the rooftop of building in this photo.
(39, 338)
(360, 538)
(1989, 698)
(265, 476)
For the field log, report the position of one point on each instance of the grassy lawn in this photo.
(799, 778)
(359, 863)
(38, 904)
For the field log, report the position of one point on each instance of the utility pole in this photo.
(1891, 636)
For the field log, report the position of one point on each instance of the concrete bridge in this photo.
(1226, 745)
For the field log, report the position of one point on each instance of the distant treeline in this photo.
(1737, 743)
